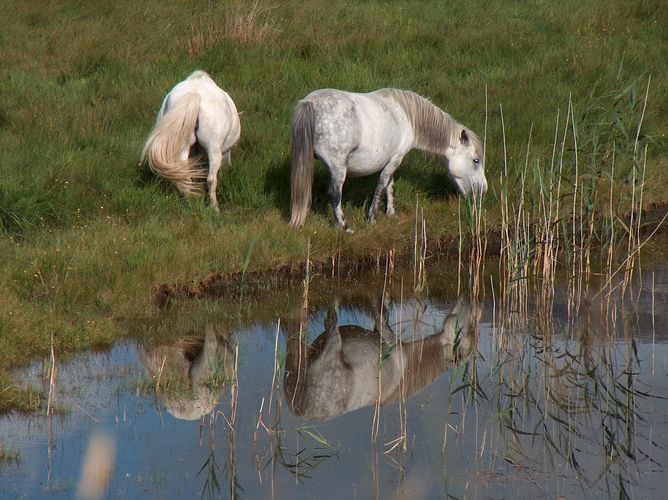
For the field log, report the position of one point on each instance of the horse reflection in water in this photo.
(191, 373)
(340, 371)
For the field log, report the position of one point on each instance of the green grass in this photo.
(85, 232)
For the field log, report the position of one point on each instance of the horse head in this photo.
(466, 163)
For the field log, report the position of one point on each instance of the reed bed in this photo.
(576, 210)
(564, 396)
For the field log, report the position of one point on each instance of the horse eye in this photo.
(476, 160)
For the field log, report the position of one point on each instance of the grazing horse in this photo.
(348, 367)
(196, 112)
(361, 134)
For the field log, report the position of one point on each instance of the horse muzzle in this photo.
(480, 188)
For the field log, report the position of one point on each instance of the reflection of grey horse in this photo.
(189, 373)
(340, 371)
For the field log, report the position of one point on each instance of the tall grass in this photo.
(582, 206)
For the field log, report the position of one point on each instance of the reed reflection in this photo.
(348, 367)
(191, 373)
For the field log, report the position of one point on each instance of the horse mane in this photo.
(434, 129)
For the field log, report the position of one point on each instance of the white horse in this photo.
(195, 112)
(348, 367)
(360, 134)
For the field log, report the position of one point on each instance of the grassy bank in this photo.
(86, 232)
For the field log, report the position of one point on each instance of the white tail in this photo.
(170, 137)
(301, 177)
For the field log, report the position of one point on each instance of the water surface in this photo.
(383, 396)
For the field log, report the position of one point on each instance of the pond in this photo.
(362, 392)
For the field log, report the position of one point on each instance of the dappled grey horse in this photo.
(361, 134)
(348, 367)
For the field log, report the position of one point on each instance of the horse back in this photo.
(336, 126)
(218, 116)
(362, 131)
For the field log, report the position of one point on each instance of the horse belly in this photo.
(382, 137)
(367, 161)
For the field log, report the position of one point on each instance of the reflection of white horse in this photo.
(191, 372)
(195, 112)
(340, 371)
(360, 134)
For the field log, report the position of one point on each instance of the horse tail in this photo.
(301, 178)
(170, 136)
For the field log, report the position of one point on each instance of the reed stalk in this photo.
(52, 379)
(420, 251)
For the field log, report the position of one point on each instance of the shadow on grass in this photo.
(276, 185)
(357, 191)
(428, 175)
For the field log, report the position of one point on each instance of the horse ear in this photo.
(464, 138)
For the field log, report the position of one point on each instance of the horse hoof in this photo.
(348, 230)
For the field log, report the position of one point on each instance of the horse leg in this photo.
(386, 177)
(380, 311)
(332, 326)
(389, 193)
(227, 158)
(335, 192)
(215, 160)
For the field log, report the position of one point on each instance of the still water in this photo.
(381, 395)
